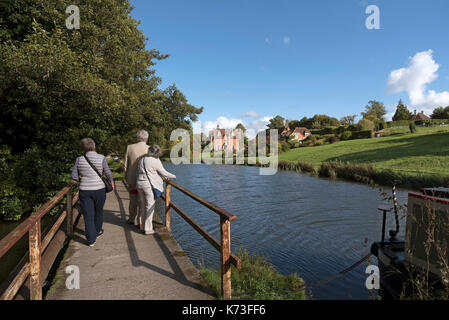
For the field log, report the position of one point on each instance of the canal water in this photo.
(306, 225)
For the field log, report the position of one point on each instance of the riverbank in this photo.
(410, 160)
(258, 279)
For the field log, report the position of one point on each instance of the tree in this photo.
(440, 113)
(58, 86)
(402, 113)
(319, 121)
(277, 122)
(365, 125)
(293, 124)
(241, 127)
(348, 120)
(374, 110)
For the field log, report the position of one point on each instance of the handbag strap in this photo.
(93, 167)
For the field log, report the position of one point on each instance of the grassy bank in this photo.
(415, 160)
(257, 280)
(424, 152)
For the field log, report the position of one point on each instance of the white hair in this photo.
(142, 135)
(88, 144)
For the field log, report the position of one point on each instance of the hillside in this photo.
(425, 152)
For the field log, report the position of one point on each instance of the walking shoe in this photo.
(149, 232)
(92, 244)
(100, 233)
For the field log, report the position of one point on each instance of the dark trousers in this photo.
(92, 202)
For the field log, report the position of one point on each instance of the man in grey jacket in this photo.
(133, 153)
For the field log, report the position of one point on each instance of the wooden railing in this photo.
(227, 258)
(37, 245)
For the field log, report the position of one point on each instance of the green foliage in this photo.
(277, 122)
(374, 110)
(348, 120)
(402, 113)
(440, 113)
(319, 121)
(365, 124)
(257, 280)
(58, 86)
(347, 135)
(241, 127)
(366, 134)
(399, 123)
(10, 205)
(412, 127)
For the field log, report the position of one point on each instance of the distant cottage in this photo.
(419, 116)
(298, 134)
(225, 139)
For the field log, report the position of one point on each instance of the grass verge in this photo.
(257, 280)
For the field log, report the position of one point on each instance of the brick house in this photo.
(226, 139)
(419, 116)
(298, 134)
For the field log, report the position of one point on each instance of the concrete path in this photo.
(125, 264)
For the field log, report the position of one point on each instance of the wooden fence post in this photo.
(35, 261)
(225, 258)
(69, 214)
(167, 207)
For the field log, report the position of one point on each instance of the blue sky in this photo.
(299, 58)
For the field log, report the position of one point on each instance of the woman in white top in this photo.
(149, 175)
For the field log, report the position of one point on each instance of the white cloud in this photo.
(421, 71)
(286, 40)
(252, 127)
(250, 114)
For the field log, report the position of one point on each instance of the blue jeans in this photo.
(92, 202)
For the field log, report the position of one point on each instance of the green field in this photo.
(425, 152)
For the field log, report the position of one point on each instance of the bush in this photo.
(362, 134)
(365, 125)
(257, 280)
(347, 135)
(11, 205)
(352, 127)
(412, 127)
(332, 139)
(399, 123)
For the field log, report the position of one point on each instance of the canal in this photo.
(314, 227)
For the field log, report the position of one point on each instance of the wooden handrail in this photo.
(227, 258)
(11, 238)
(222, 212)
(37, 245)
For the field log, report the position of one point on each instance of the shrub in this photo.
(412, 127)
(347, 135)
(399, 123)
(352, 127)
(332, 139)
(365, 125)
(257, 280)
(362, 134)
(327, 171)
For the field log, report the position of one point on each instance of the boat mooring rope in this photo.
(338, 275)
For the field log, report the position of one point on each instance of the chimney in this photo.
(415, 112)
